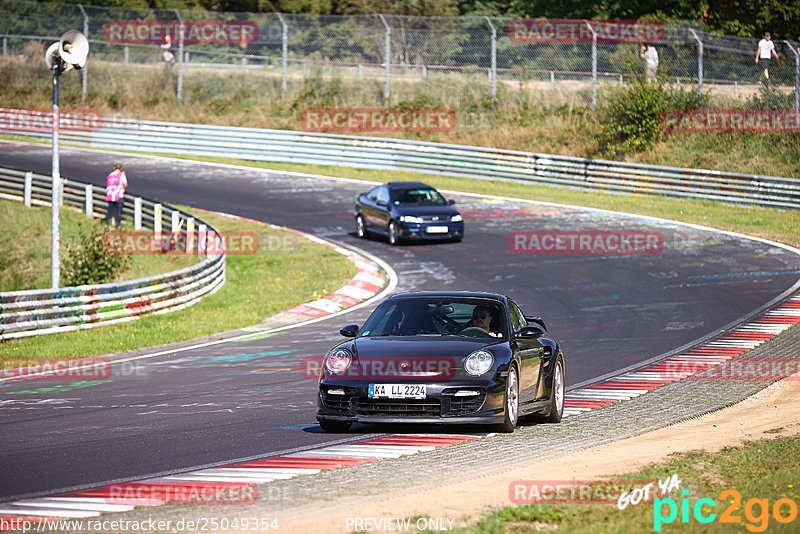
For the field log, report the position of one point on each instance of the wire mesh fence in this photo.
(391, 60)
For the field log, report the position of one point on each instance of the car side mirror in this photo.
(350, 330)
(529, 332)
(535, 319)
(451, 202)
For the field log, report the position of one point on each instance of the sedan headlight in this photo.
(479, 362)
(410, 219)
(338, 361)
(456, 218)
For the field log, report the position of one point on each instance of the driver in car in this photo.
(482, 318)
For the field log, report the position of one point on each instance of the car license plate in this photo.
(437, 229)
(397, 391)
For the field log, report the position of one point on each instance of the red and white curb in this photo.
(93, 502)
(739, 340)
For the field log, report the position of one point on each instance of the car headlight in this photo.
(478, 362)
(338, 361)
(410, 219)
(456, 218)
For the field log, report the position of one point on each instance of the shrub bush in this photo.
(87, 262)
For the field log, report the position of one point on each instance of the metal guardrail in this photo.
(49, 311)
(426, 157)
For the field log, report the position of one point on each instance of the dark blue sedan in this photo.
(407, 211)
(442, 357)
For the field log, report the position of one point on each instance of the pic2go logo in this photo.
(756, 511)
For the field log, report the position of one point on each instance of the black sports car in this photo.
(410, 211)
(442, 357)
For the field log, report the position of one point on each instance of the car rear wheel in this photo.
(361, 228)
(393, 238)
(512, 401)
(335, 426)
(557, 396)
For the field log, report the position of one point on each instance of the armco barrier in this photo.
(48, 311)
(424, 157)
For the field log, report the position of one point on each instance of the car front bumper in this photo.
(422, 231)
(441, 404)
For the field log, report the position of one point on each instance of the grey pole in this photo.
(55, 234)
(180, 55)
(284, 54)
(796, 75)
(86, 33)
(699, 61)
(494, 59)
(387, 58)
(594, 64)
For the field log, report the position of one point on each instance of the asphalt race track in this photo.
(177, 411)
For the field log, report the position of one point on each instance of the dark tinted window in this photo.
(434, 316)
(517, 319)
(383, 195)
(418, 196)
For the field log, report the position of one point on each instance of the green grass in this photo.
(287, 270)
(756, 470)
(779, 225)
(25, 247)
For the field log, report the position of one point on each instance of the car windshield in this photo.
(423, 316)
(417, 197)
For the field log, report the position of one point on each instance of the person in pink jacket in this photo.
(116, 182)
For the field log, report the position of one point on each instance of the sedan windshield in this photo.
(467, 317)
(417, 197)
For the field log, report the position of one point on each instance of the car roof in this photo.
(450, 294)
(408, 185)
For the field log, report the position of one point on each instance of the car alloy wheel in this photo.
(393, 233)
(557, 400)
(512, 401)
(361, 230)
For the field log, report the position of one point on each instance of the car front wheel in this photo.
(361, 228)
(393, 237)
(557, 396)
(512, 401)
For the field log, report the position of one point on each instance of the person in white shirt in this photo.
(766, 49)
(650, 56)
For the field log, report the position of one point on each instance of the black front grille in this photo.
(339, 404)
(406, 407)
(436, 218)
(466, 405)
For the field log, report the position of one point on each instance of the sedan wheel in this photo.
(557, 398)
(361, 229)
(512, 401)
(393, 233)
